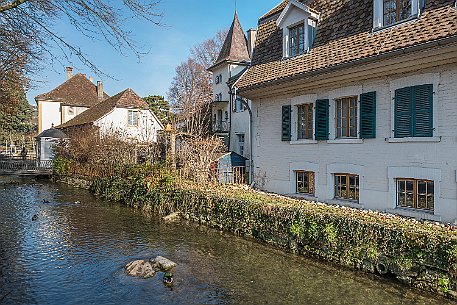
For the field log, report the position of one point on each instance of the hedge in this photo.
(421, 254)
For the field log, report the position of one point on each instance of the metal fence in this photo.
(24, 166)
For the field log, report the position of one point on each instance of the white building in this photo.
(230, 119)
(124, 114)
(356, 104)
(78, 105)
(73, 97)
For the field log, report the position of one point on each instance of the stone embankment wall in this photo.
(423, 255)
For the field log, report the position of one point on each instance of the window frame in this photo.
(309, 121)
(415, 193)
(131, 112)
(398, 11)
(356, 187)
(300, 37)
(71, 110)
(378, 14)
(311, 182)
(348, 128)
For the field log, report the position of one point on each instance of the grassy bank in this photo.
(423, 255)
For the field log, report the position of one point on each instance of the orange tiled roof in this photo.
(344, 34)
(76, 91)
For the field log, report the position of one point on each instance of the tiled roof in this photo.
(76, 91)
(235, 47)
(125, 99)
(344, 35)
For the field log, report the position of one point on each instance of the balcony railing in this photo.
(221, 126)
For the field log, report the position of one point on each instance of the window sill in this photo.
(347, 203)
(345, 141)
(302, 142)
(418, 214)
(302, 196)
(386, 27)
(413, 139)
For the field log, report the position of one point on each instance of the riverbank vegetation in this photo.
(420, 254)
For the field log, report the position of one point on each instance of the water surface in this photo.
(75, 251)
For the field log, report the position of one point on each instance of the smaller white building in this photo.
(45, 142)
(125, 115)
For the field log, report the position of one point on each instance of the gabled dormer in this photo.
(298, 23)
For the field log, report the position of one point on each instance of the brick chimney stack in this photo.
(69, 72)
(100, 90)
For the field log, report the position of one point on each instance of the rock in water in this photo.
(172, 217)
(140, 268)
(163, 263)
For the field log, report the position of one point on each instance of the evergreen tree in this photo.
(160, 107)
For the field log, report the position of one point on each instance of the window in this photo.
(415, 193)
(396, 10)
(226, 115)
(218, 79)
(312, 27)
(239, 107)
(305, 121)
(346, 117)
(71, 110)
(132, 118)
(241, 143)
(347, 187)
(218, 97)
(297, 40)
(305, 182)
(414, 111)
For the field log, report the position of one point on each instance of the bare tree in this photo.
(190, 93)
(27, 34)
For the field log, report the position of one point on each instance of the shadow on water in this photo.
(75, 250)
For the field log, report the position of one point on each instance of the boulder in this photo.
(172, 217)
(163, 263)
(140, 268)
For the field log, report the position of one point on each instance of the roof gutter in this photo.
(401, 51)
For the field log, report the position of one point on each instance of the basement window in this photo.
(347, 187)
(305, 182)
(415, 193)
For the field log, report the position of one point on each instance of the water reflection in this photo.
(75, 252)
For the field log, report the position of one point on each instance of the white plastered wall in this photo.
(116, 121)
(375, 160)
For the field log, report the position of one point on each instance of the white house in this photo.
(74, 96)
(230, 119)
(124, 114)
(355, 103)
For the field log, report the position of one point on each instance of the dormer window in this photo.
(396, 10)
(297, 40)
(298, 23)
(390, 12)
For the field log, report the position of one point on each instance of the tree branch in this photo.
(11, 5)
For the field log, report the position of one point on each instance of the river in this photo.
(74, 250)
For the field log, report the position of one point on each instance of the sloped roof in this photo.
(52, 133)
(235, 47)
(344, 34)
(76, 91)
(125, 99)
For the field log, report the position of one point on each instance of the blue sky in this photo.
(186, 23)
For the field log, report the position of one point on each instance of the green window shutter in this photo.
(368, 115)
(286, 123)
(414, 111)
(322, 117)
(423, 110)
(403, 112)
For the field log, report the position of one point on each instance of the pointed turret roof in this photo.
(235, 47)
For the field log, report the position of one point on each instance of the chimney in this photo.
(69, 72)
(91, 79)
(100, 90)
(252, 34)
